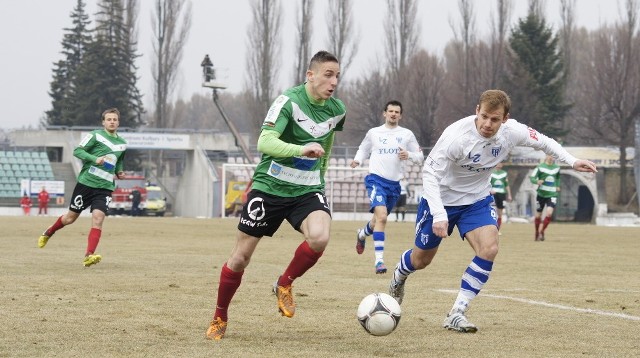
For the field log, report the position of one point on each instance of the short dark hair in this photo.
(393, 103)
(110, 110)
(322, 57)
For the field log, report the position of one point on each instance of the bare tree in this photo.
(423, 90)
(171, 22)
(465, 39)
(500, 21)
(567, 17)
(263, 46)
(343, 39)
(609, 91)
(403, 32)
(303, 35)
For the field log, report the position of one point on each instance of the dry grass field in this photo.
(575, 295)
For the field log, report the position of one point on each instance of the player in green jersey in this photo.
(288, 183)
(547, 177)
(102, 153)
(500, 190)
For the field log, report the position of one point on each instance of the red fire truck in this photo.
(152, 202)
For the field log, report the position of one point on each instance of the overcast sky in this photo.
(31, 32)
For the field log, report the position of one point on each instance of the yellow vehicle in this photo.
(155, 203)
(235, 197)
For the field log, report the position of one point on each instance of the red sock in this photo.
(545, 223)
(56, 226)
(499, 223)
(93, 240)
(303, 259)
(537, 224)
(229, 283)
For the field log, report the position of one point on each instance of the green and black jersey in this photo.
(96, 144)
(550, 176)
(299, 121)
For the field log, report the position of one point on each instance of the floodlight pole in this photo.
(208, 78)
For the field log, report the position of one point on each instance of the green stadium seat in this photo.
(10, 154)
(2, 154)
(12, 160)
(6, 166)
(15, 194)
(4, 194)
(28, 160)
(43, 155)
(15, 167)
(31, 167)
(18, 154)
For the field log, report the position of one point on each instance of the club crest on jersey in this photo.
(495, 151)
(275, 169)
(532, 133)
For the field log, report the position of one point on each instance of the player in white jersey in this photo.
(457, 193)
(388, 146)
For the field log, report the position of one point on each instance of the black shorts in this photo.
(402, 201)
(86, 196)
(263, 213)
(499, 199)
(550, 202)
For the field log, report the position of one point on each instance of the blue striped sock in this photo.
(367, 229)
(404, 267)
(473, 279)
(378, 243)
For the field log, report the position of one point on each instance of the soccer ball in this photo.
(379, 314)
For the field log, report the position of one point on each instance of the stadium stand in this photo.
(16, 165)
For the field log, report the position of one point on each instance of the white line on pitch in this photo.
(553, 305)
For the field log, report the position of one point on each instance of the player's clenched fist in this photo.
(313, 150)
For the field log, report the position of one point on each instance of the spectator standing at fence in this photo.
(25, 204)
(295, 141)
(387, 147)
(500, 190)
(456, 193)
(547, 177)
(43, 202)
(102, 153)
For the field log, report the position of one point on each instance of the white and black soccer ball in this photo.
(379, 314)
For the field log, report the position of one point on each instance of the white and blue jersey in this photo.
(382, 145)
(457, 171)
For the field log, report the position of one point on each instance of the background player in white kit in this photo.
(388, 146)
(457, 193)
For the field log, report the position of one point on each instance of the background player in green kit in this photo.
(500, 190)
(102, 153)
(547, 177)
(288, 183)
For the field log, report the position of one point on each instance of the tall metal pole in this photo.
(239, 140)
(209, 80)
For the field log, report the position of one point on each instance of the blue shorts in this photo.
(465, 217)
(382, 192)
